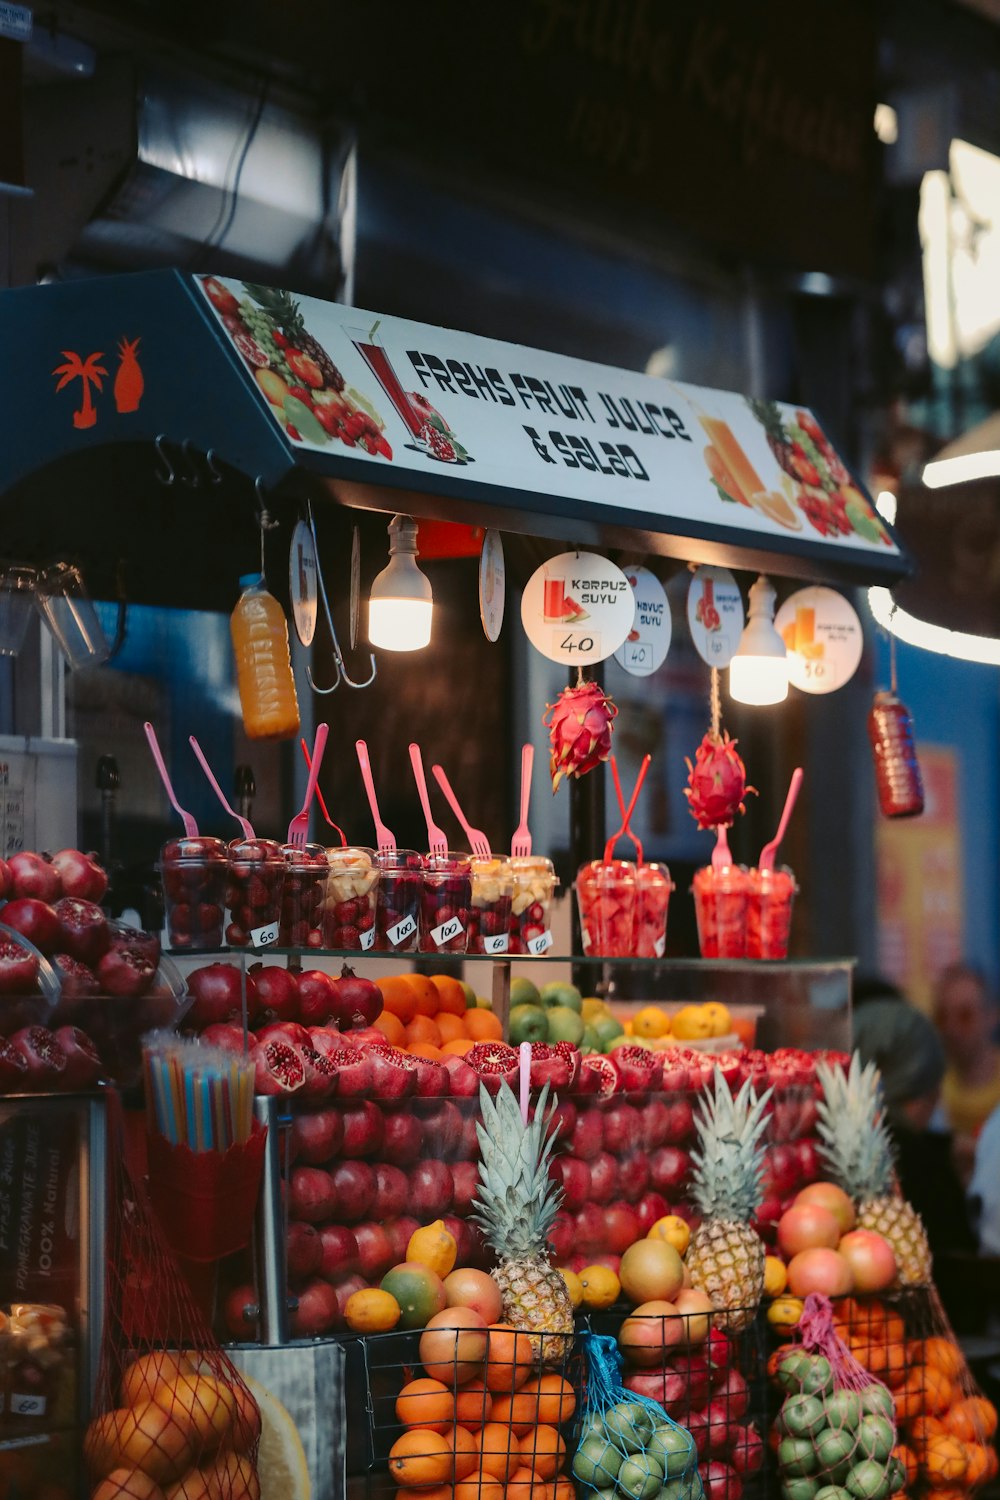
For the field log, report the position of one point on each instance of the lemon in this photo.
(573, 1285)
(601, 1287)
(592, 1009)
(281, 1460)
(433, 1247)
(775, 1276)
(691, 1024)
(372, 1311)
(719, 1019)
(674, 1230)
(785, 1312)
(651, 1021)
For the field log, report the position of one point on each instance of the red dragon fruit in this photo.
(717, 782)
(579, 725)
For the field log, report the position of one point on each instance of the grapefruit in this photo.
(453, 1345)
(831, 1197)
(649, 1269)
(819, 1270)
(649, 1332)
(476, 1289)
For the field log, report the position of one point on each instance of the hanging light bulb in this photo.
(401, 603)
(758, 673)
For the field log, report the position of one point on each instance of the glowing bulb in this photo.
(965, 466)
(758, 673)
(885, 504)
(915, 632)
(401, 606)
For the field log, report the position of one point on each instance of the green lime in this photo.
(564, 1025)
(817, 1379)
(875, 1438)
(843, 1409)
(877, 1401)
(681, 1489)
(673, 1449)
(792, 1368)
(798, 1489)
(628, 1425)
(834, 1451)
(590, 1041)
(607, 1030)
(640, 1476)
(803, 1416)
(523, 992)
(832, 1492)
(528, 1023)
(597, 1462)
(796, 1457)
(470, 995)
(556, 992)
(897, 1475)
(868, 1480)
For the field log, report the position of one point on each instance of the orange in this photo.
(473, 1405)
(466, 1453)
(922, 1429)
(452, 1028)
(938, 1391)
(426, 1492)
(525, 1484)
(483, 1025)
(128, 1484)
(944, 1461)
(426, 992)
(872, 1353)
(453, 1345)
(556, 1399)
(519, 1416)
(908, 1397)
(420, 1458)
(451, 996)
(499, 1454)
(479, 1486)
(391, 1028)
(943, 1355)
(508, 1358)
(564, 1490)
(423, 1029)
(459, 1047)
(864, 1317)
(893, 1328)
(146, 1372)
(232, 1476)
(973, 1419)
(908, 1459)
(543, 1450)
(977, 1465)
(424, 1049)
(371, 1311)
(399, 997)
(426, 1403)
(896, 1365)
(153, 1439)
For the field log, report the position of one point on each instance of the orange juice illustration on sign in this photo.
(734, 461)
(799, 635)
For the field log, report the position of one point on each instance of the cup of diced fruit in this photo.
(351, 902)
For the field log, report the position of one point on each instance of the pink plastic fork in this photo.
(437, 839)
(520, 844)
(298, 828)
(478, 842)
(244, 823)
(190, 826)
(322, 800)
(385, 839)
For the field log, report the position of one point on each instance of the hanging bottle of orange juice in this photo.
(263, 663)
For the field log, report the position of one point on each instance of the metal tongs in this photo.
(338, 655)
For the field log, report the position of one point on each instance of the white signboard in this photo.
(715, 615)
(492, 584)
(645, 647)
(823, 635)
(577, 608)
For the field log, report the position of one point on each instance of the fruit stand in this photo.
(383, 1213)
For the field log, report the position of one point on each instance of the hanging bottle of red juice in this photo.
(897, 772)
(263, 663)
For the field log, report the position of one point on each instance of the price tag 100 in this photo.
(402, 930)
(264, 937)
(448, 931)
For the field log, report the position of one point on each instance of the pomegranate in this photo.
(291, 1032)
(603, 1177)
(639, 1068)
(77, 981)
(276, 993)
(654, 1124)
(590, 1230)
(465, 1182)
(34, 920)
(431, 1188)
(124, 975)
(241, 1313)
(229, 1036)
(218, 995)
(669, 1170)
(719, 1354)
(587, 1136)
(146, 944)
(720, 1481)
(84, 929)
(45, 1059)
(562, 1231)
(311, 1194)
(394, 1073)
(374, 1250)
(562, 1118)
(574, 1177)
(354, 1189)
(621, 1227)
(32, 876)
(464, 1082)
(317, 999)
(746, 1453)
(549, 1065)
(676, 1074)
(83, 1065)
(354, 1069)
(402, 1136)
(433, 1080)
(650, 1207)
(80, 875)
(321, 1075)
(732, 1392)
(666, 1386)
(364, 1129)
(391, 1191)
(13, 1068)
(599, 1075)
(278, 1069)
(18, 967)
(303, 1250)
(357, 1002)
(622, 1126)
(680, 1121)
(317, 1310)
(400, 1232)
(442, 1129)
(6, 884)
(316, 1138)
(461, 1233)
(695, 1371)
(338, 1251)
(345, 1287)
(494, 1063)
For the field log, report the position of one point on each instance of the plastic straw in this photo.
(525, 1070)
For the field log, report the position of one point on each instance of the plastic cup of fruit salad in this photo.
(769, 912)
(606, 893)
(653, 886)
(720, 904)
(253, 895)
(534, 886)
(489, 914)
(446, 902)
(351, 901)
(193, 871)
(400, 884)
(302, 896)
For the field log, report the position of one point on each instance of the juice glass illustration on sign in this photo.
(429, 430)
(557, 607)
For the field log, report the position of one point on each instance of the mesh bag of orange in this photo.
(627, 1448)
(836, 1427)
(172, 1416)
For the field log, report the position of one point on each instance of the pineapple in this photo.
(284, 312)
(857, 1147)
(515, 1205)
(725, 1258)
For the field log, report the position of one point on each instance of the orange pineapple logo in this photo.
(129, 384)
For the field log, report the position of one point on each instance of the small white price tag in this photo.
(368, 939)
(402, 930)
(448, 931)
(661, 946)
(540, 944)
(27, 1406)
(264, 937)
(497, 943)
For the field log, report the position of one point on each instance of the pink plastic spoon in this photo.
(190, 826)
(766, 861)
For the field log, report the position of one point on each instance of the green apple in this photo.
(556, 992)
(523, 992)
(528, 1023)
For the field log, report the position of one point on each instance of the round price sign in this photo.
(577, 608)
(824, 638)
(492, 584)
(647, 643)
(715, 615)
(302, 581)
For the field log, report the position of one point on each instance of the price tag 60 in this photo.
(264, 937)
(402, 930)
(448, 931)
(368, 939)
(496, 944)
(27, 1406)
(540, 944)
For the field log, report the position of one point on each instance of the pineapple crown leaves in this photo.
(769, 416)
(729, 1161)
(517, 1200)
(854, 1136)
(278, 304)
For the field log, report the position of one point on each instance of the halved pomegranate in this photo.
(433, 1079)
(45, 1058)
(549, 1065)
(494, 1063)
(13, 1068)
(599, 1075)
(394, 1073)
(640, 1069)
(321, 1074)
(83, 1065)
(278, 1069)
(353, 1066)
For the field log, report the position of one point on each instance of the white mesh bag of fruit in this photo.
(836, 1426)
(627, 1448)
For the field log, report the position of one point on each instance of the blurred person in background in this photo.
(905, 1047)
(965, 1014)
(984, 1189)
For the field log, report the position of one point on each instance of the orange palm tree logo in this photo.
(91, 374)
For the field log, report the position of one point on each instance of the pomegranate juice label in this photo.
(402, 930)
(715, 615)
(39, 1206)
(577, 608)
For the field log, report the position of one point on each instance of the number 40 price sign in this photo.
(577, 608)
